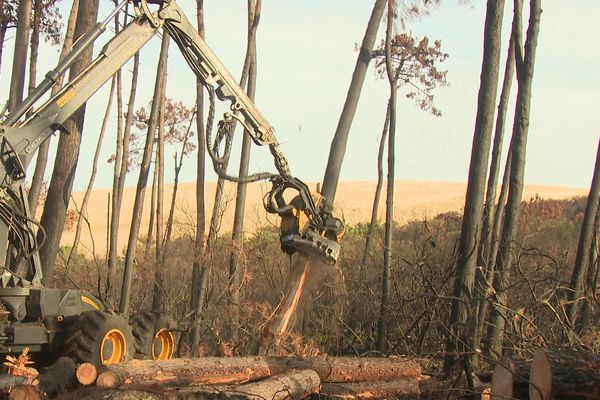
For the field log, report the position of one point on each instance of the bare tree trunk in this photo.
(199, 242)
(489, 209)
(17, 80)
(35, 45)
(3, 28)
(42, 156)
(461, 314)
(114, 207)
(178, 165)
(86, 197)
(338, 144)
(389, 206)
(151, 213)
(65, 165)
(119, 184)
(217, 213)
(582, 260)
(584, 319)
(525, 68)
(487, 290)
(160, 196)
(378, 189)
(235, 270)
(143, 178)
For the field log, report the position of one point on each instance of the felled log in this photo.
(7, 382)
(405, 388)
(292, 385)
(564, 375)
(510, 380)
(214, 370)
(24, 392)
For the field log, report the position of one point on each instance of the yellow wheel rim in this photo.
(113, 348)
(163, 345)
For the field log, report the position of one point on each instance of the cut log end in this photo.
(108, 380)
(86, 374)
(540, 377)
(24, 392)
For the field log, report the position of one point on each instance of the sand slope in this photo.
(413, 200)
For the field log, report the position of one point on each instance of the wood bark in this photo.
(143, 178)
(65, 165)
(462, 315)
(582, 260)
(121, 170)
(42, 156)
(160, 200)
(83, 214)
(489, 209)
(407, 388)
(17, 79)
(34, 46)
(510, 379)
(338, 144)
(377, 196)
(389, 206)
(7, 382)
(564, 375)
(215, 223)
(235, 271)
(291, 385)
(199, 240)
(214, 370)
(525, 71)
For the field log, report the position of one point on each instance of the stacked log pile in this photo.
(246, 378)
(550, 375)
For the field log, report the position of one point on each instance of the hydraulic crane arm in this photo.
(307, 227)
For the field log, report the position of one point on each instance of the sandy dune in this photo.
(413, 200)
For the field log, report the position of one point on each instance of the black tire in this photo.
(154, 335)
(99, 337)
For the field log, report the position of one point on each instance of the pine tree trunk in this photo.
(461, 314)
(215, 220)
(338, 144)
(378, 189)
(160, 199)
(114, 208)
(582, 260)
(489, 209)
(119, 184)
(42, 156)
(235, 270)
(35, 45)
(178, 166)
(17, 80)
(199, 242)
(143, 179)
(65, 165)
(525, 68)
(86, 197)
(151, 214)
(389, 206)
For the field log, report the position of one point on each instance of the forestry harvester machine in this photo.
(74, 322)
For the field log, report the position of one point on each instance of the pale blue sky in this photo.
(306, 56)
